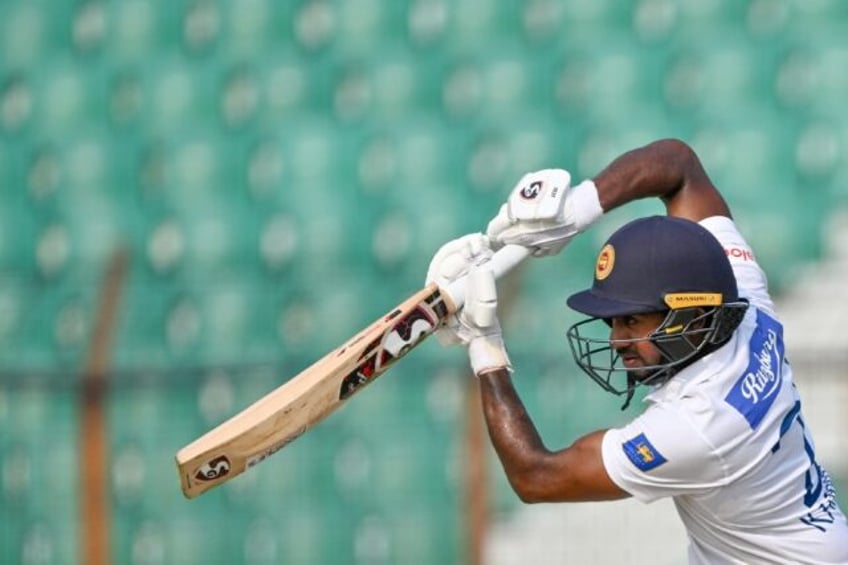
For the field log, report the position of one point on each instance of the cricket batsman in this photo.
(677, 304)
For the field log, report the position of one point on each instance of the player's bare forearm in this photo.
(535, 473)
(668, 169)
(513, 433)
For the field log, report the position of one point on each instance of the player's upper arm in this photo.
(668, 169)
(574, 474)
(696, 197)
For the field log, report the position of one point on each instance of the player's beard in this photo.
(639, 374)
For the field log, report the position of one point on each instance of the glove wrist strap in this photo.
(586, 204)
(488, 352)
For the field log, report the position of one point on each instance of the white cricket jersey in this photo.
(727, 440)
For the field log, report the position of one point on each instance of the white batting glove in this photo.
(479, 319)
(544, 212)
(451, 262)
(476, 324)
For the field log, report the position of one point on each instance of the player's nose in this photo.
(623, 349)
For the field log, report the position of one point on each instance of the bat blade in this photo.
(287, 412)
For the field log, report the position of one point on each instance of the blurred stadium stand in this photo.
(281, 173)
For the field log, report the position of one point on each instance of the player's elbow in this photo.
(533, 484)
(528, 491)
(674, 147)
(535, 489)
(575, 474)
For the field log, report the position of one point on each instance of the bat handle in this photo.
(502, 262)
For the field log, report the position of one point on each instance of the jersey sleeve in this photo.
(661, 454)
(750, 277)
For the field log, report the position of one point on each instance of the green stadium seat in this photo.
(22, 33)
(246, 27)
(40, 474)
(820, 11)
(541, 20)
(17, 247)
(136, 30)
(18, 97)
(288, 86)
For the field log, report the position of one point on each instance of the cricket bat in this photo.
(287, 412)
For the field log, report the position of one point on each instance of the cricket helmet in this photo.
(656, 264)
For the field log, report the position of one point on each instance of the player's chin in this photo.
(638, 373)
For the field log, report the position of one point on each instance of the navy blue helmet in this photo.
(657, 264)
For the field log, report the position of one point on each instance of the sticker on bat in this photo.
(263, 455)
(392, 345)
(213, 469)
(388, 318)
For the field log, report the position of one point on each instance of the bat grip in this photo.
(502, 262)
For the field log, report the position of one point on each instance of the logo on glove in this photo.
(532, 190)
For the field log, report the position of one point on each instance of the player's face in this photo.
(628, 339)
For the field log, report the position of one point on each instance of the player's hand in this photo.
(451, 262)
(544, 212)
(479, 319)
(476, 324)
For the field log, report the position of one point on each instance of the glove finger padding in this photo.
(451, 262)
(481, 306)
(454, 258)
(479, 319)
